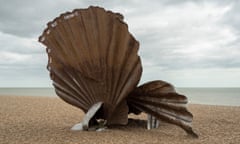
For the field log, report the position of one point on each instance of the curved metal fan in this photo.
(94, 65)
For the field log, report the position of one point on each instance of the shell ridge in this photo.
(67, 81)
(90, 46)
(85, 94)
(123, 69)
(121, 46)
(53, 39)
(134, 69)
(68, 94)
(114, 55)
(60, 86)
(83, 86)
(129, 83)
(75, 30)
(69, 99)
(61, 31)
(110, 60)
(67, 25)
(101, 42)
(164, 109)
(96, 53)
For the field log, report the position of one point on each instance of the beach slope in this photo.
(49, 119)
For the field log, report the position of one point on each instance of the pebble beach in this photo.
(37, 120)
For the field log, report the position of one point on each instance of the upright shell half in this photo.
(93, 58)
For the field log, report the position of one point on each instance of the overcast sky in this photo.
(188, 43)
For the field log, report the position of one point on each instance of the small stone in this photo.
(101, 129)
(77, 127)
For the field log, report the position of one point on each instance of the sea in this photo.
(209, 96)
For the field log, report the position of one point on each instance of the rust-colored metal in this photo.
(93, 58)
(160, 99)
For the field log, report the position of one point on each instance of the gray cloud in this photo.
(26, 18)
(174, 35)
(196, 38)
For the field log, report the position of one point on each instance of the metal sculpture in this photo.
(94, 65)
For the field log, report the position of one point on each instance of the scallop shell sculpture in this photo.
(94, 65)
(92, 57)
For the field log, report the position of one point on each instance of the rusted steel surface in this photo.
(159, 99)
(92, 58)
